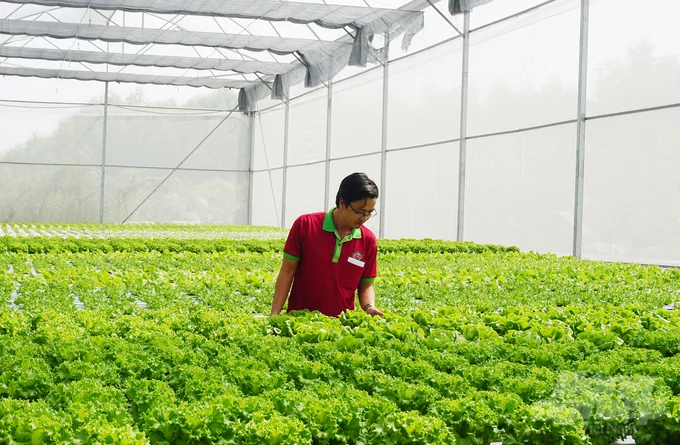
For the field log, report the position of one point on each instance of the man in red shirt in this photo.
(329, 256)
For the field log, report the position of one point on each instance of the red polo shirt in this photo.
(329, 268)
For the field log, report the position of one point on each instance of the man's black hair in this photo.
(356, 187)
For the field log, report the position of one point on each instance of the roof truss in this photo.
(319, 59)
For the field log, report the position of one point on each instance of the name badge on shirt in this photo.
(356, 262)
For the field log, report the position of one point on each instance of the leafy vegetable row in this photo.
(244, 281)
(203, 376)
(165, 245)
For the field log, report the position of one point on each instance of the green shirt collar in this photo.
(329, 226)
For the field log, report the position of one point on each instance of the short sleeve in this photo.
(370, 268)
(293, 247)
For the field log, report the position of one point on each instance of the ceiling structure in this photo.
(310, 42)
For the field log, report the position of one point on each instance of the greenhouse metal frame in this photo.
(280, 96)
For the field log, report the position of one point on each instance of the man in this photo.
(328, 256)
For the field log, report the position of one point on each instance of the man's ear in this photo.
(342, 204)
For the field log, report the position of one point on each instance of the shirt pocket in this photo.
(350, 274)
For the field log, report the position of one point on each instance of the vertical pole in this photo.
(383, 150)
(122, 50)
(106, 123)
(108, 44)
(581, 129)
(329, 116)
(460, 232)
(251, 169)
(103, 173)
(284, 187)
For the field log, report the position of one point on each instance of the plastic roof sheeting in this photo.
(328, 16)
(209, 82)
(143, 36)
(147, 60)
(318, 60)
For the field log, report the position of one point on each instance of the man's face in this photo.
(358, 212)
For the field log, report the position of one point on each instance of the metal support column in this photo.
(103, 173)
(284, 187)
(581, 129)
(106, 118)
(122, 46)
(251, 169)
(329, 115)
(383, 151)
(460, 232)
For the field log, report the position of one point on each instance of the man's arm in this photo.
(283, 283)
(367, 297)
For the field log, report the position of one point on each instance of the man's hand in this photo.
(367, 298)
(373, 311)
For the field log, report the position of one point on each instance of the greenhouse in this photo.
(156, 156)
(526, 123)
